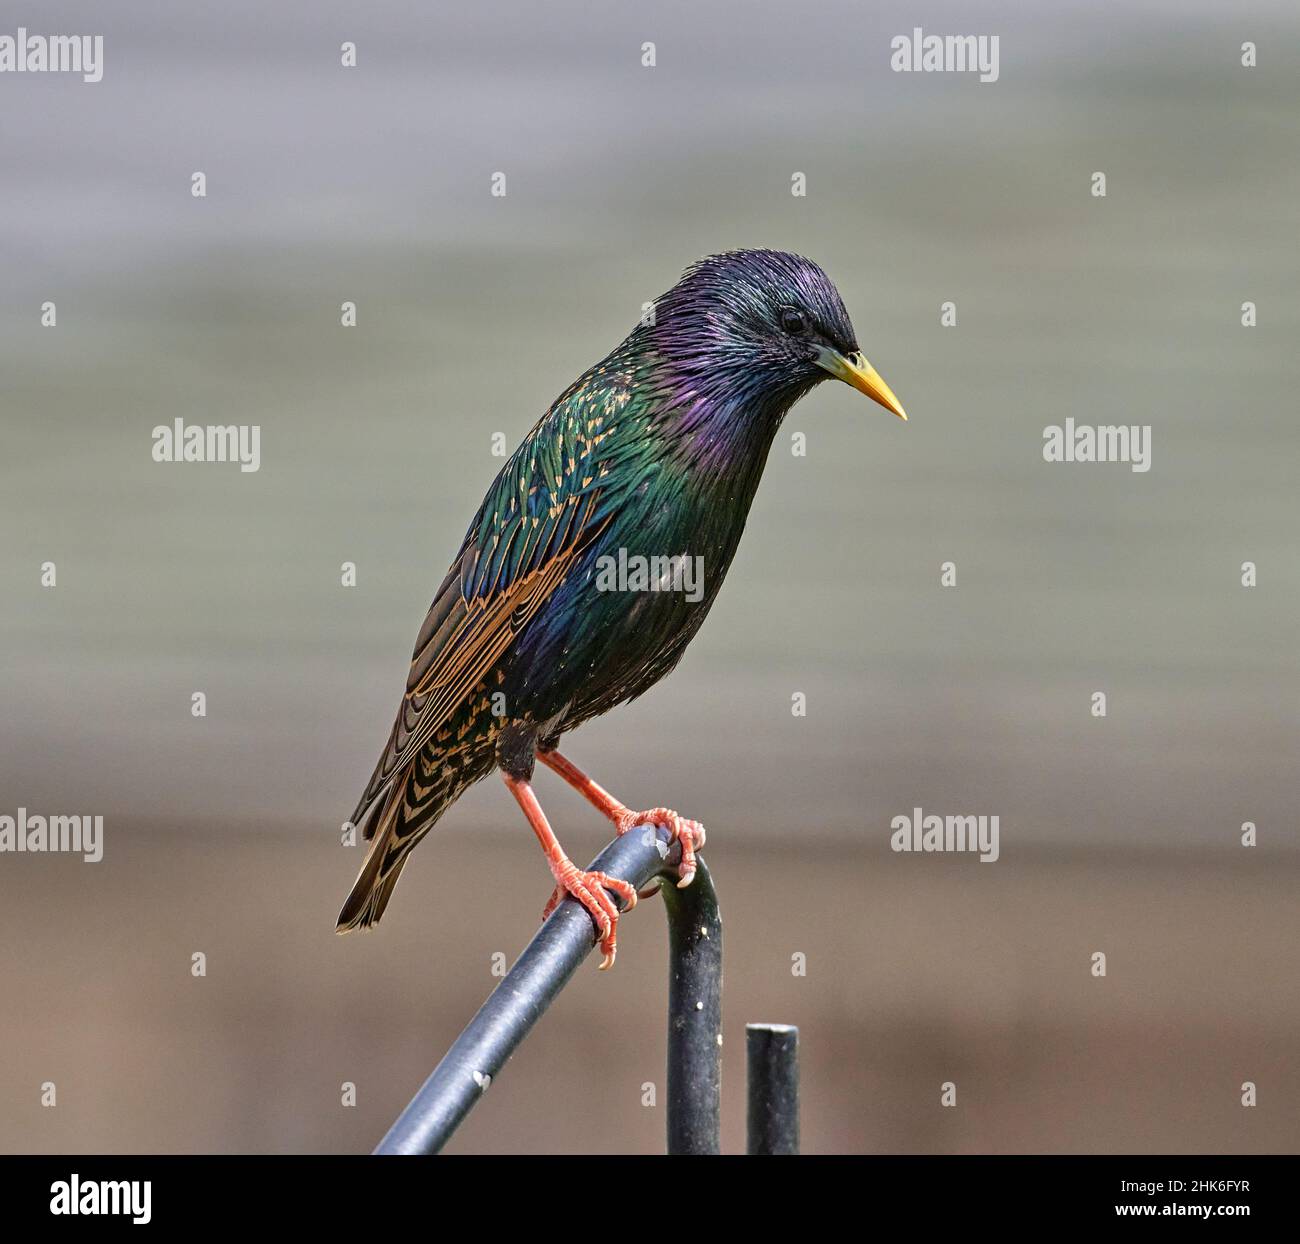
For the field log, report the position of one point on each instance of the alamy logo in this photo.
(103, 1196)
(682, 573)
(24, 53)
(922, 53)
(75, 835)
(1084, 443)
(919, 832)
(198, 442)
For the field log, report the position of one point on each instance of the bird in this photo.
(650, 460)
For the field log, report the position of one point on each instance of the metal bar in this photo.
(505, 1019)
(772, 1058)
(694, 1015)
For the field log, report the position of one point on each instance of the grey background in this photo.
(373, 185)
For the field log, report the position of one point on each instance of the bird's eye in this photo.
(793, 320)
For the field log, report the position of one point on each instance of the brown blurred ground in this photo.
(920, 970)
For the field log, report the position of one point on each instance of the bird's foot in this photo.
(689, 833)
(590, 890)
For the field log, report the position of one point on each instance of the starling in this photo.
(575, 589)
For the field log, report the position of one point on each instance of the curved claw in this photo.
(590, 889)
(689, 833)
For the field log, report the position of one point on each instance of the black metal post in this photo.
(772, 1058)
(548, 961)
(694, 1015)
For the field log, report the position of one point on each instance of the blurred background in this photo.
(372, 184)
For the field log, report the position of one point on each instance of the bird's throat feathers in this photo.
(716, 410)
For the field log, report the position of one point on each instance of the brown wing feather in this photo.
(539, 515)
(461, 640)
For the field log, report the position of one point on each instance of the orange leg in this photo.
(587, 887)
(689, 833)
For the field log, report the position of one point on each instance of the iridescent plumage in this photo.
(654, 452)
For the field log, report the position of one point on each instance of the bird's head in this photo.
(762, 326)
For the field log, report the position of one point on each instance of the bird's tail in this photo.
(393, 838)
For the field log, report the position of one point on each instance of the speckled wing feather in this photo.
(549, 502)
(535, 519)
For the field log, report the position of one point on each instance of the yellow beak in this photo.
(855, 370)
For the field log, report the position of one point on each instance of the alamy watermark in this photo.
(1085, 443)
(27, 53)
(920, 832)
(129, 1198)
(199, 442)
(69, 835)
(922, 53)
(637, 573)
